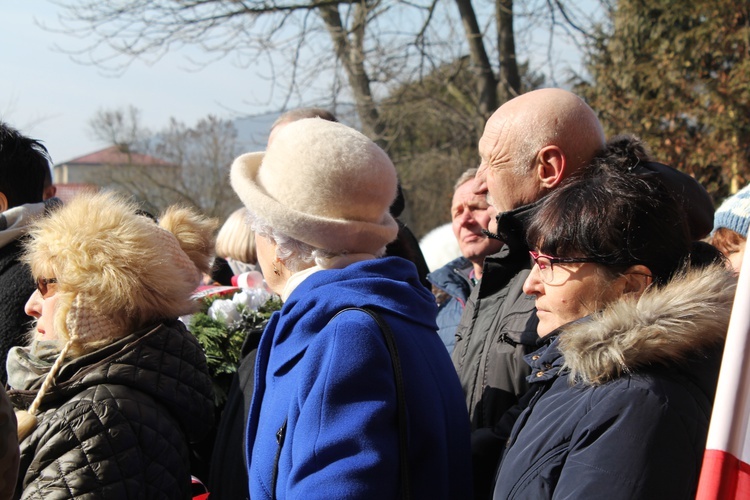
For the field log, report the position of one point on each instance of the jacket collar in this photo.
(512, 226)
(547, 362)
(513, 257)
(454, 277)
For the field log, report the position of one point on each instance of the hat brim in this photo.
(334, 235)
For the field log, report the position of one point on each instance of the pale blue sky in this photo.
(50, 97)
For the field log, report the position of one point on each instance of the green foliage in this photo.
(675, 74)
(222, 342)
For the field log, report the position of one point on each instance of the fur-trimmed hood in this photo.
(668, 324)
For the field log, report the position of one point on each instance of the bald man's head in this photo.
(534, 141)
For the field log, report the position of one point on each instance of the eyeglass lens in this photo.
(546, 271)
(42, 284)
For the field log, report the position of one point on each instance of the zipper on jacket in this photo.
(280, 436)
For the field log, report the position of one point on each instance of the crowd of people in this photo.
(572, 351)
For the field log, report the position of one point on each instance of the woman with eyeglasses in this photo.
(112, 388)
(632, 318)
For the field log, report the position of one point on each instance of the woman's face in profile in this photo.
(578, 289)
(41, 306)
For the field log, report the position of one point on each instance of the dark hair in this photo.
(616, 216)
(24, 166)
(629, 153)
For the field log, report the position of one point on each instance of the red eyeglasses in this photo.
(546, 264)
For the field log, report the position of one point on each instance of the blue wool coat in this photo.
(331, 380)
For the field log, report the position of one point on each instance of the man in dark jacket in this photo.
(24, 166)
(529, 145)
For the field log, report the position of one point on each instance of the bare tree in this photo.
(382, 55)
(181, 164)
(205, 153)
(119, 127)
(373, 45)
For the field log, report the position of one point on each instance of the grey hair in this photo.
(295, 254)
(465, 177)
(526, 152)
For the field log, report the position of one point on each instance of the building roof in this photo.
(114, 155)
(68, 191)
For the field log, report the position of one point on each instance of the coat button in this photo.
(547, 366)
(535, 357)
(539, 374)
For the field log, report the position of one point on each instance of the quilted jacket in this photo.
(119, 421)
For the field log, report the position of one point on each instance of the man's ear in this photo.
(550, 166)
(3, 202)
(637, 279)
(49, 192)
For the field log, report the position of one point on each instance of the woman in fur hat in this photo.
(634, 318)
(325, 419)
(112, 389)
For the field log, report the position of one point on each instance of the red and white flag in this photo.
(726, 464)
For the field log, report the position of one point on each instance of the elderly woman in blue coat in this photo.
(633, 317)
(326, 419)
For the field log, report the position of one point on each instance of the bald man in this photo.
(529, 146)
(531, 143)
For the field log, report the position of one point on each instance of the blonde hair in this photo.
(236, 239)
(117, 268)
(727, 240)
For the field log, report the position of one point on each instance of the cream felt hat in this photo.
(321, 183)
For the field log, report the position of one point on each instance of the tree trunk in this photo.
(509, 81)
(480, 61)
(351, 55)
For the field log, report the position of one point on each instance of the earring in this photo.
(276, 271)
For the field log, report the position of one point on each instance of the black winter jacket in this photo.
(623, 399)
(498, 327)
(118, 422)
(16, 286)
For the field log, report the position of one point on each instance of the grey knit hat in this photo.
(321, 183)
(734, 213)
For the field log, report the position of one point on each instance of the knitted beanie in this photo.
(321, 183)
(734, 213)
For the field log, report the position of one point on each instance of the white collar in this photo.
(337, 262)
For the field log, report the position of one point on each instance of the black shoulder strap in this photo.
(390, 342)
